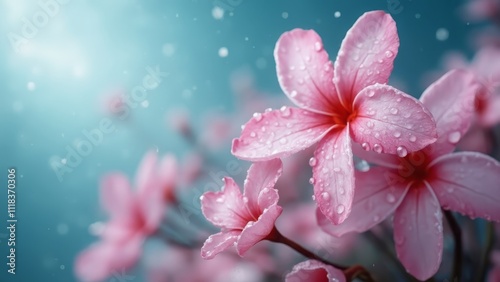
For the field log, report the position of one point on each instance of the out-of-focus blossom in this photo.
(416, 187)
(312, 270)
(244, 219)
(113, 102)
(494, 275)
(133, 217)
(348, 101)
(480, 10)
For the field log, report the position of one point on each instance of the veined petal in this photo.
(116, 195)
(217, 243)
(313, 270)
(390, 121)
(256, 231)
(261, 178)
(376, 197)
(305, 72)
(226, 209)
(333, 174)
(280, 133)
(418, 232)
(467, 182)
(94, 263)
(451, 102)
(366, 55)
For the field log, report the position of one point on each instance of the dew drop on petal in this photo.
(389, 54)
(245, 200)
(252, 134)
(390, 198)
(401, 151)
(313, 161)
(318, 46)
(293, 94)
(454, 137)
(363, 166)
(397, 134)
(257, 117)
(377, 148)
(371, 93)
(312, 181)
(325, 196)
(283, 140)
(394, 111)
(370, 124)
(340, 209)
(365, 146)
(413, 138)
(285, 111)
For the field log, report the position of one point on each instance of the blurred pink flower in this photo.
(479, 10)
(244, 219)
(415, 188)
(337, 105)
(133, 217)
(312, 270)
(494, 275)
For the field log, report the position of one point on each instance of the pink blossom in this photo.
(478, 10)
(133, 217)
(337, 103)
(416, 187)
(312, 270)
(244, 219)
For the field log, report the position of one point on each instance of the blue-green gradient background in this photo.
(90, 47)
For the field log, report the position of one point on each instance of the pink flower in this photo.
(337, 104)
(133, 218)
(478, 10)
(417, 186)
(312, 270)
(244, 219)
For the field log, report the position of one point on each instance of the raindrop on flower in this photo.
(389, 54)
(401, 151)
(390, 198)
(394, 111)
(285, 111)
(293, 93)
(413, 138)
(252, 134)
(454, 137)
(366, 146)
(377, 148)
(318, 46)
(325, 196)
(340, 209)
(311, 180)
(257, 116)
(397, 134)
(313, 161)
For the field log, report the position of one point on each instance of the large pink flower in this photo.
(312, 270)
(337, 104)
(417, 186)
(244, 219)
(133, 218)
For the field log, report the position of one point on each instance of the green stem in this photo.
(457, 235)
(486, 252)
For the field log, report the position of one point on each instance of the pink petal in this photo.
(168, 173)
(116, 196)
(267, 198)
(390, 121)
(226, 209)
(262, 176)
(93, 264)
(477, 139)
(312, 270)
(451, 101)
(385, 160)
(418, 232)
(153, 209)
(366, 55)
(146, 172)
(333, 173)
(468, 182)
(257, 231)
(375, 198)
(491, 115)
(280, 133)
(218, 242)
(305, 72)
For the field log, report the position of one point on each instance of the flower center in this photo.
(344, 118)
(413, 167)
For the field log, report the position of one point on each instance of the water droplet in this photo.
(245, 200)
(283, 140)
(285, 111)
(257, 117)
(311, 180)
(397, 134)
(389, 54)
(390, 198)
(318, 46)
(413, 138)
(370, 124)
(313, 161)
(401, 151)
(314, 198)
(366, 146)
(371, 93)
(377, 148)
(394, 111)
(324, 170)
(363, 166)
(340, 209)
(252, 134)
(325, 196)
(454, 137)
(220, 200)
(293, 94)
(292, 68)
(359, 45)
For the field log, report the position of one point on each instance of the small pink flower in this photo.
(479, 10)
(416, 187)
(133, 218)
(244, 219)
(340, 102)
(312, 270)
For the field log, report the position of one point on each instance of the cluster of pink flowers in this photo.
(344, 112)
